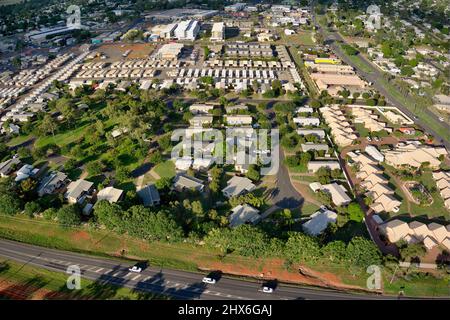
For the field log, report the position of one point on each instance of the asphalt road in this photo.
(285, 195)
(177, 284)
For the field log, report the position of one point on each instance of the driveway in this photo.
(285, 195)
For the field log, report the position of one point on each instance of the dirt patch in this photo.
(81, 235)
(138, 50)
(16, 291)
(306, 192)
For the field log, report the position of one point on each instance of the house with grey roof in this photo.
(8, 166)
(183, 182)
(52, 182)
(237, 186)
(243, 214)
(314, 146)
(149, 195)
(78, 190)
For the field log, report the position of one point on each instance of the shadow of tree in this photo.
(157, 283)
(23, 290)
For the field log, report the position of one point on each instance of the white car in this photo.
(135, 269)
(369, 139)
(441, 119)
(267, 290)
(209, 280)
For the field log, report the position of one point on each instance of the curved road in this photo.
(174, 283)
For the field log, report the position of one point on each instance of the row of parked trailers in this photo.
(145, 63)
(231, 73)
(226, 81)
(11, 92)
(30, 77)
(61, 75)
(117, 73)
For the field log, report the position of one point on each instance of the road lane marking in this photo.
(135, 278)
(128, 274)
(99, 270)
(116, 274)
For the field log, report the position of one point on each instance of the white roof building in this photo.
(319, 222)
(243, 214)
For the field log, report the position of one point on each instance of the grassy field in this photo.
(165, 169)
(303, 38)
(18, 140)
(62, 139)
(20, 282)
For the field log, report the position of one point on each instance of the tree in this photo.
(163, 183)
(411, 251)
(165, 142)
(48, 125)
(334, 251)
(301, 247)
(110, 215)
(323, 174)
(142, 223)
(94, 168)
(32, 208)
(363, 252)
(253, 173)
(187, 116)
(69, 215)
(355, 212)
(156, 157)
(9, 204)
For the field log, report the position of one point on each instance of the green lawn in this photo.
(303, 38)
(39, 283)
(363, 132)
(18, 140)
(309, 208)
(165, 169)
(62, 139)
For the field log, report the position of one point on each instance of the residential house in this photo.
(183, 182)
(242, 214)
(338, 193)
(52, 182)
(313, 166)
(25, 172)
(201, 108)
(149, 195)
(303, 122)
(110, 194)
(9, 166)
(236, 120)
(237, 186)
(319, 221)
(200, 120)
(78, 190)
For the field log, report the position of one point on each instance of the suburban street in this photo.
(174, 283)
(332, 38)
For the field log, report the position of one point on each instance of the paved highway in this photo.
(178, 284)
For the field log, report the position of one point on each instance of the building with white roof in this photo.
(243, 214)
(319, 222)
(218, 31)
